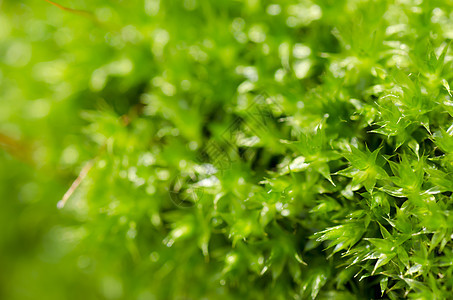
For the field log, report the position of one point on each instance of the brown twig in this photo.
(16, 148)
(86, 14)
(83, 173)
(74, 11)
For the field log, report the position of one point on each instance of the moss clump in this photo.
(226, 149)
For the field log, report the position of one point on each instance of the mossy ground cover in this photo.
(226, 149)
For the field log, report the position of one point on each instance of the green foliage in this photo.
(226, 149)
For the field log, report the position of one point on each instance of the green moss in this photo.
(226, 149)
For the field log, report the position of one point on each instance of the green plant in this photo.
(226, 149)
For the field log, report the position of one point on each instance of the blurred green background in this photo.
(56, 65)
